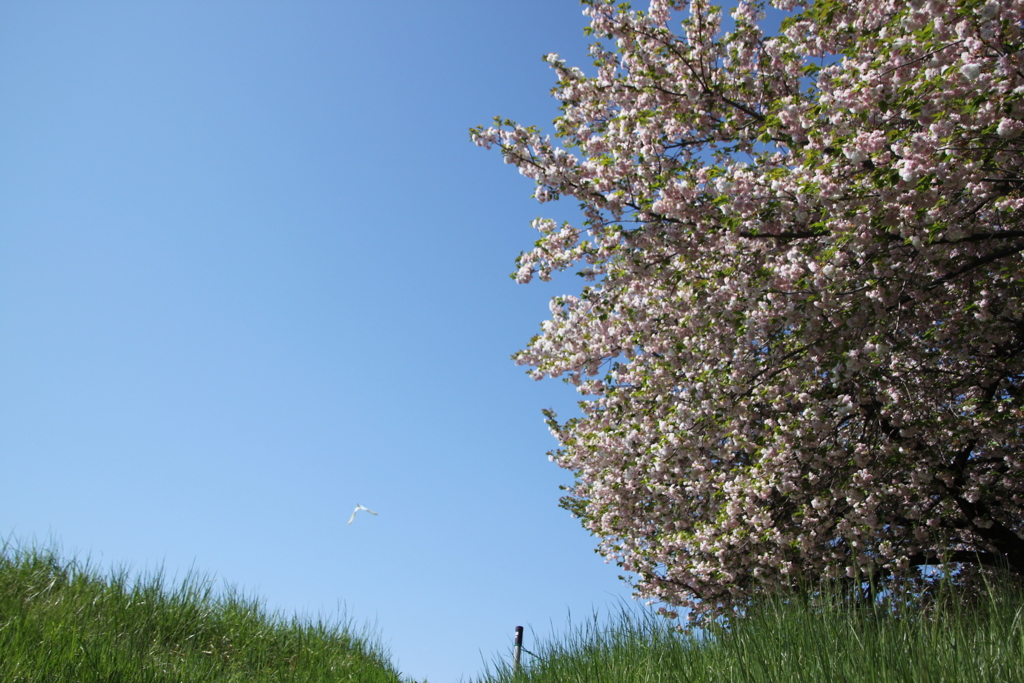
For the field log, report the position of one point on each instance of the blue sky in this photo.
(253, 272)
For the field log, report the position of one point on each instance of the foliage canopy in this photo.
(803, 341)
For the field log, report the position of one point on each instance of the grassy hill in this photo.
(62, 621)
(794, 639)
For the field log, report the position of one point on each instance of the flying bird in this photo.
(358, 508)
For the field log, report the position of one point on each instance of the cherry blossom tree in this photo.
(802, 341)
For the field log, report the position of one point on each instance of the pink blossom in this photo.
(971, 70)
(799, 341)
(1009, 128)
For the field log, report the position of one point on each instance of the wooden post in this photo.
(517, 654)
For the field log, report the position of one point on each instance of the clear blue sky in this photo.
(253, 272)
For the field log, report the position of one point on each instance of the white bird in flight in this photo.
(358, 508)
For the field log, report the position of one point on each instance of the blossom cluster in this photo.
(802, 347)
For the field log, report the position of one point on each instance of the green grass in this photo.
(789, 640)
(62, 621)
